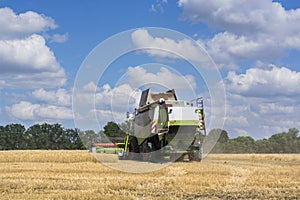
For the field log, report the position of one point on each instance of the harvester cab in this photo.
(165, 128)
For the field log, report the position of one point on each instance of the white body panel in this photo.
(183, 113)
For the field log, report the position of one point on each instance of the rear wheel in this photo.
(155, 142)
(146, 152)
(134, 149)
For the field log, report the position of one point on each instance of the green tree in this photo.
(263, 146)
(13, 136)
(285, 142)
(35, 137)
(74, 141)
(245, 144)
(46, 136)
(112, 129)
(2, 138)
(54, 134)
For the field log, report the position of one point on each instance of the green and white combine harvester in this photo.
(165, 129)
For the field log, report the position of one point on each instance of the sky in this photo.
(84, 63)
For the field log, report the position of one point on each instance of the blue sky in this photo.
(254, 45)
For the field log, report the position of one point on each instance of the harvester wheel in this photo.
(146, 152)
(133, 148)
(155, 142)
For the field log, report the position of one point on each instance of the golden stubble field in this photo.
(77, 175)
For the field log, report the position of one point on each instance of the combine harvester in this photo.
(165, 129)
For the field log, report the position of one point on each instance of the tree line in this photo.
(285, 142)
(55, 136)
(39, 136)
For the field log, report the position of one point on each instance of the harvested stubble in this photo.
(77, 175)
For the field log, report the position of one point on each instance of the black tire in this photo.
(146, 155)
(134, 148)
(155, 143)
(155, 156)
(133, 145)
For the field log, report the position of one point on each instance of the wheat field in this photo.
(78, 175)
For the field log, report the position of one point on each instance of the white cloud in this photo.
(33, 80)
(259, 117)
(227, 48)
(59, 38)
(26, 60)
(169, 48)
(243, 17)
(22, 25)
(158, 6)
(120, 98)
(90, 87)
(28, 111)
(105, 116)
(60, 97)
(138, 76)
(256, 82)
(275, 108)
(260, 30)
(29, 54)
(94, 106)
(262, 101)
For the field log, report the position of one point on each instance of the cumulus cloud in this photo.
(275, 108)
(260, 117)
(138, 76)
(26, 60)
(22, 25)
(265, 99)
(60, 97)
(104, 99)
(243, 17)
(33, 80)
(227, 48)
(127, 92)
(169, 48)
(256, 82)
(249, 29)
(28, 55)
(94, 106)
(27, 111)
(262, 101)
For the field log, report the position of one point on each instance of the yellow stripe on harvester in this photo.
(183, 123)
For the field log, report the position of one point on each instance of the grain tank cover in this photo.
(148, 97)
